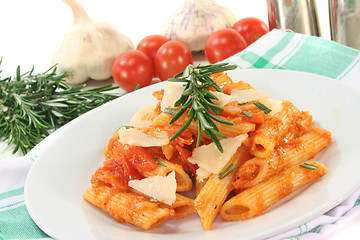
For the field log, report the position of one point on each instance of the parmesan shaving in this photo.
(274, 105)
(172, 93)
(222, 99)
(247, 95)
(210, 160)
(159, 187)
(138, 119)
(136, 137)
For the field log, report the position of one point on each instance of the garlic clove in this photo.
(195, 20)
(89, 48)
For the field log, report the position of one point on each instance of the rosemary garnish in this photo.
(126, 126)
(227, 171)
(262, 107)
(171, 111)
(247, 114)
(33, 105)
(160, 163)
(309, 166)
(153, 200)
(198, 100)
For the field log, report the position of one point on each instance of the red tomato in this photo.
(251, 29)
(151, 44)
(171, 58)
(132, 68)
(139, 157)
(223, 44)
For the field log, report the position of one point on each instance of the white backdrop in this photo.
(32, 30)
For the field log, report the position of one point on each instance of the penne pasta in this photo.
(253, 201)
(263, 140)
(292, 153)
(183, 207)
(128, 207)
(300, 126)
(216, 189)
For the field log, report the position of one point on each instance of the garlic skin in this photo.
(195, 20)
(89, 48)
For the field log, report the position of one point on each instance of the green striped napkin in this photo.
(293, 51)
(275, 50)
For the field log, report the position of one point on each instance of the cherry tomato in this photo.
(171, 58)
(223, 44)
(132, 68)
(151, 44)
(251, 29)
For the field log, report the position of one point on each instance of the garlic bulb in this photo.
(89, 48)
(195, 20)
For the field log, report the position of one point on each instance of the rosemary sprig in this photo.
(33, 105)
(198, 100)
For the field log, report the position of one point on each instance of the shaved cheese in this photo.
(222, 99)
(172, 93)
(247, 95)
(158, 187)
(210, 160)
(274, 105)
(138, 119)
(136, 137)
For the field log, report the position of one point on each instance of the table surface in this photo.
(31, 31)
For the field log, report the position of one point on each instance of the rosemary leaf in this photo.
(227, 171)
(247, 114)
(309, 166)
(262, 107)
(160, 163)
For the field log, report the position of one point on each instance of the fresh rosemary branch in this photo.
(198, 99)
(33, 105)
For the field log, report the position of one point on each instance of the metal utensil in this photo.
(297, 15)
(345, 22)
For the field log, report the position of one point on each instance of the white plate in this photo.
(68, 157)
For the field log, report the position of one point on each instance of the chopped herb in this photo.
(247, 114)
(309, 166)
(160, 163)
(153, 200)
(262, 107)
(171, 111)
(126, 126)
(227, 171)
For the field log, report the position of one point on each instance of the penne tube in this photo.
(199, 184)
(128, 207)
(253, 201)
(215, 191)
(299, 127)
(183, 207)
(184, 182)
(266, 137)
(292, 153)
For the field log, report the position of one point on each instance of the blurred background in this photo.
(31, 31)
